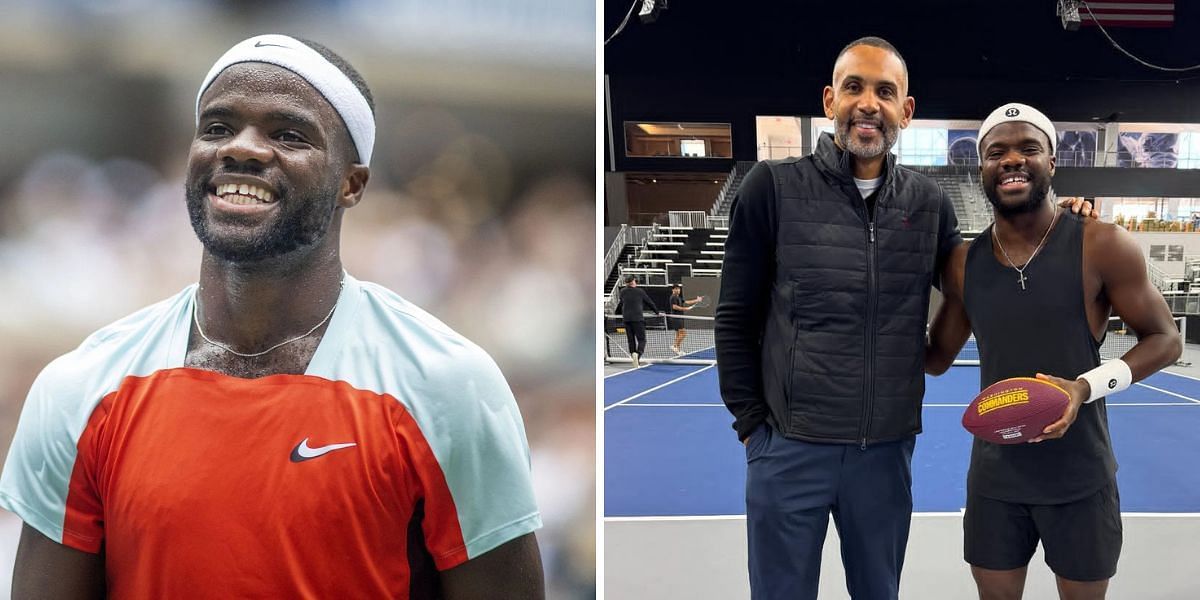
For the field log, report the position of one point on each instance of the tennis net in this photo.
(699, 347)
(1118, 339)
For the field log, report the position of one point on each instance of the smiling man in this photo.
(1037, 289)
(824, 293)
(280, 429)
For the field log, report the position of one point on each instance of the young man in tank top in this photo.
(1037, 289)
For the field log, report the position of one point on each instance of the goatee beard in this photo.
(1037, 196)
(846, 139)
(302, 221)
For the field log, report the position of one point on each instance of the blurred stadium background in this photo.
(481, 205)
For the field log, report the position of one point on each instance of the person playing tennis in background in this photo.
(680, 306)
(282, 429)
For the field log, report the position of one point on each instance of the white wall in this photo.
(1189, 241)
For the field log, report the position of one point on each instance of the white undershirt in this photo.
(866, 187)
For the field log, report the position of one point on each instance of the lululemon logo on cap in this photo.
(1112, 383)
(1012, 112)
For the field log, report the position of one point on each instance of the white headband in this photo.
(1015, 111)
(330, 81)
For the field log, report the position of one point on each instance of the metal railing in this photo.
(614, 250)
(1157, 278)
(629, 234)
(1183, 303)
(716, 207)
(688, 218)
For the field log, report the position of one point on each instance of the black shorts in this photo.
(1081, 539)
(676, 324)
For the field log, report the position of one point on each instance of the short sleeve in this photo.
(478, 440)
(48, 479)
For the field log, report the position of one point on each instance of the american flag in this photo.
(1129, 13)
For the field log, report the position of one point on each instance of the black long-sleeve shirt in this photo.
(633, 303)
(746, 275)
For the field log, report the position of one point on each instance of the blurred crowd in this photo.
(83, 243)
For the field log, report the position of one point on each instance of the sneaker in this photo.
(636, 364)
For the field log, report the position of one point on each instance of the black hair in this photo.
(630, 278)
(874, 42)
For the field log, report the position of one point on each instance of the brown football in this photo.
(1016, 410)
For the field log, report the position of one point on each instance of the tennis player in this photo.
(680, 306)
(281, 429)
(1037, 288)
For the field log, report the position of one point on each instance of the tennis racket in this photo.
(703, 301)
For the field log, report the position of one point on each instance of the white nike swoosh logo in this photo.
(303, 452)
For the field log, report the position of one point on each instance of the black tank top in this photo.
(1041, 329)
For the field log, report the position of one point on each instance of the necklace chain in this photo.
(1021, 270)
(196, 319)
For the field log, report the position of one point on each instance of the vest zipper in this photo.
(869, 370)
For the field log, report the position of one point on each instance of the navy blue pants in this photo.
(791, 489)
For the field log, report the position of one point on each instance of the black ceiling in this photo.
(1015, 40)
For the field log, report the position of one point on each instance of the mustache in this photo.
(876, 121)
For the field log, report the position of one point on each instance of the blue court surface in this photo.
(669, 449)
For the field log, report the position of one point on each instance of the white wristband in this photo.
(1108, 379)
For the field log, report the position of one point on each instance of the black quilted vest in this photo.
(843, 347)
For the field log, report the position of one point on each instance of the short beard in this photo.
(1037, 196)
(303, 221)
(849, 141)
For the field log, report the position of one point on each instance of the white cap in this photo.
(1015, 111)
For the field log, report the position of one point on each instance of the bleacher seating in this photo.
(696, 247)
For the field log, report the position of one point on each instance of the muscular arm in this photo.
(46, 569)
(951, 327)
(511, 571)
(746, 276)
(1112, 254)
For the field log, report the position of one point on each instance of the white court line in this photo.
(631, 370)
(657, 387)
(681, 405)
(1180, 375)
(679, 518)
(957, 514)
(1168, 393)
(1111, 404)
